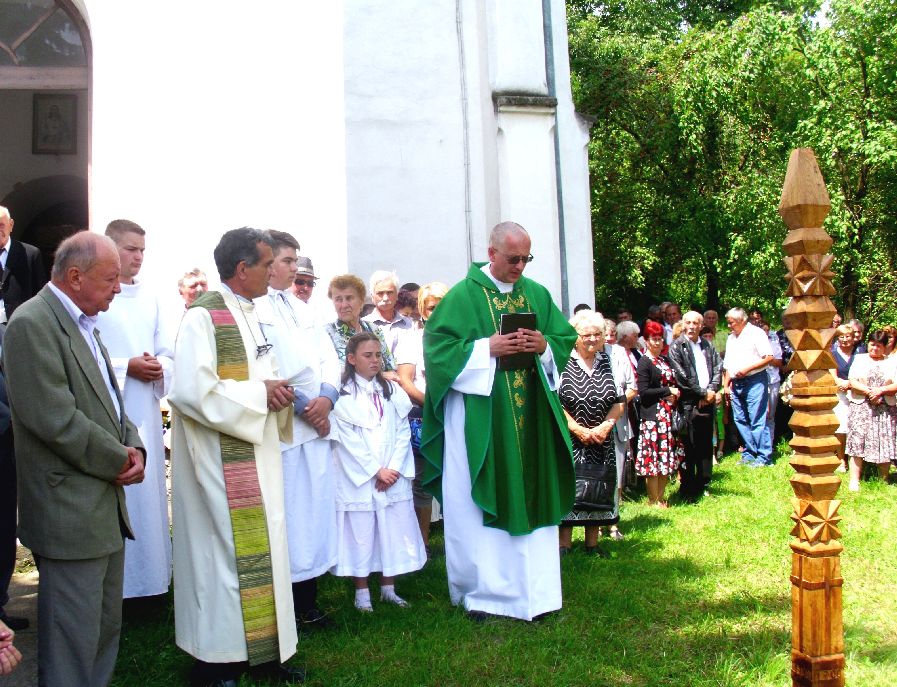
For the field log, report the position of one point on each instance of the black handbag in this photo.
(677, 421)
(595, 490)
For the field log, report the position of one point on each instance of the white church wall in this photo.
(405, 140)
(205, 118)
(573, 135)
(518, 47)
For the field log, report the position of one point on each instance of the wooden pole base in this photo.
(817, 671)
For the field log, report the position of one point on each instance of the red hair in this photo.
(652, 328)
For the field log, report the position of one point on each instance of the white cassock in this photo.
(208, 616)
(306, 355)
(488, 569)
(134, 325)
(377, 531)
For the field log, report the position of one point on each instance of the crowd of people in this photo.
(303, 445)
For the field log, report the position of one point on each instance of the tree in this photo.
(692, 132)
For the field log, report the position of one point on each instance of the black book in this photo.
(511, 322)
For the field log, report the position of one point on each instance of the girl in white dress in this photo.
(377, 527)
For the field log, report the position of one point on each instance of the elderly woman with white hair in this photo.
(592, 403)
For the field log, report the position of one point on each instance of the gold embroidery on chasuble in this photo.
(516, 382)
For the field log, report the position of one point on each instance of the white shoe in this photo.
(841, 468)
(364, 607)
(393, 598)
(854, 486)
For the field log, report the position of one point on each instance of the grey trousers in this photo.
(79, 620)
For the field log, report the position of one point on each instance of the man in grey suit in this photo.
(75, 451)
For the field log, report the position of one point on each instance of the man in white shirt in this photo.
(307, 358)
(748, 354)
(141, 348)
(385, 292)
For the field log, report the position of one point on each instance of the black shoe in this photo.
(480, 616)
(315, 619)
(15, 623)
(289, 675)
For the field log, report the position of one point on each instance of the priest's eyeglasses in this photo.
(514, 259)
(262, 350)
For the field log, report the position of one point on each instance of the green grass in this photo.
(696, 595)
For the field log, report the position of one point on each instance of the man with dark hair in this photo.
(76, 452)
(495, 440)
(141, 349)
(306, 356)
(233, 607)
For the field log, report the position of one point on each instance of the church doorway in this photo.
(45, 120)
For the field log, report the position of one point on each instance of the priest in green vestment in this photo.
(497, 450)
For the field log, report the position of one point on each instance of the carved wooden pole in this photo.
(817, 636)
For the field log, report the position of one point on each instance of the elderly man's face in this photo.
(691, 326)
(255, 278)
(191, 287)
(385, 295)
(735, 325)
(303, 286)
(507, 261)
(95, 287)
(5, 228)
(672, 314)
(711, 318)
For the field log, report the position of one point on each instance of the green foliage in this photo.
(696, 110)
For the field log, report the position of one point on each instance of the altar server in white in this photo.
(376, 523)
(232, 601)
(141, 348)
(308, 360)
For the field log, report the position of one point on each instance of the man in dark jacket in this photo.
(698, 370)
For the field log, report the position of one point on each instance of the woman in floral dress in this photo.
(659, 450)
(872, 416)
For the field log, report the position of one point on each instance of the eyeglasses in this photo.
(514, 259)
(299, 281)
(590, 336)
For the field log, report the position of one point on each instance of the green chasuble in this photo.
(518, 447)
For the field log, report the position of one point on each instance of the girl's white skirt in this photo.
(386, 540)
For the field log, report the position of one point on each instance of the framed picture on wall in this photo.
(55, 127)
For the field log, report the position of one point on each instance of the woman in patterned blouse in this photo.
(347, 292)
(592, 402)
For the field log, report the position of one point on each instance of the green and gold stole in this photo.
(244, 499)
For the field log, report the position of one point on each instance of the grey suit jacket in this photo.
(70, 444)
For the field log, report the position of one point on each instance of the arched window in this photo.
(41, 41)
